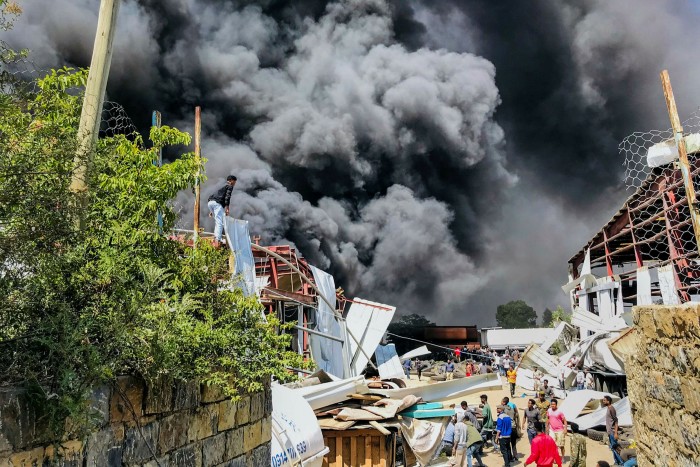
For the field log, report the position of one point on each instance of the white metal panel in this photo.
(238, 239)
(422, 350)
(502, 338)
(643, 286)
(576, 401)
(327, 353)
(668, 285)
(367, 321)
(445, 390)
(325, 394)
(597, 418)
(388, 362)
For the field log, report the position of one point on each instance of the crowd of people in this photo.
(471, 429)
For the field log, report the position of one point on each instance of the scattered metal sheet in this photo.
(323, 395)
(499, 339)
(644, 286)
(597, 418)
(422, 350)
(238, 239)
(586, 399)
(296, 434)
(327, 353)
(564, 332)
(388, 362)
(625, 345)
(446, 390)
(367, 321)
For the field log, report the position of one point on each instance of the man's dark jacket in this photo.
(222, 195)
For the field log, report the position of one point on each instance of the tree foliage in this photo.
(515, 315)
(79, 307)
(559, 315)
(546, 318)
(408, 326)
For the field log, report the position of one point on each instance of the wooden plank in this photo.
(382, 451)
(380, 428)
(365, 397)
(368, 451)
(353, 451)
(338, 452)
(376, 443)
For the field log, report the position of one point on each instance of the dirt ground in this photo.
(492, 458)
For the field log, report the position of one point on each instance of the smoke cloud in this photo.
(444, 157)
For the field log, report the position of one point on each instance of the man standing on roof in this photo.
(219, 206)
(611, 428)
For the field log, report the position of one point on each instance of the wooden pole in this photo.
(91, 112)
(156, 121)
(197, 156)
(683, 163)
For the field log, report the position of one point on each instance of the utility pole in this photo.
(156, 121)
(94, 94)
(683, 164)
(198, 160)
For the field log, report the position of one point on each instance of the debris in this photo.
(296, 434)
(420, 351)
(583, 400)
(388, 362)
(368, 321)
(447, 389)
(597, 418)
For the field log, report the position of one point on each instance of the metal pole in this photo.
(683, 163)
(197, 158)
(156, 121)
(91, 112)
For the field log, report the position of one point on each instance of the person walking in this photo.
(590, 382)
(504, 429)
(419, 368)
(611, 428)
(457, 354)
(218, 205)
(469, 369)
(578, 447)
(512, 375)
(512, 411)
(537, 375)
(449, 370)
(543, 405)
(544, 452)
(407, 368)
(556, 422)
(532, 415)
(487, 424)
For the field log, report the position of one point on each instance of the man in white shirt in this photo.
(537, 376)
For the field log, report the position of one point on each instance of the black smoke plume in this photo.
(444, 157)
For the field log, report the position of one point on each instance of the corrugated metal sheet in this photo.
(367, 321)
(388, 362)
(501, 338)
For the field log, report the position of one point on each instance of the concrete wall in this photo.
(663, 380)
(177, 424)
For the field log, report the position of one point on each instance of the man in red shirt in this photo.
(544, 451)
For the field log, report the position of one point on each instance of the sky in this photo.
(444, 157)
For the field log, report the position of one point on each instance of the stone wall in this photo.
(167, 425)
(663, 380)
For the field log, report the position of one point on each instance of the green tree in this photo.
(559, 315)
(408, 326)
(546, 318)
(516, 314)
(80, 307)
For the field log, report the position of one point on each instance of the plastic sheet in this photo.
(238, 239)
